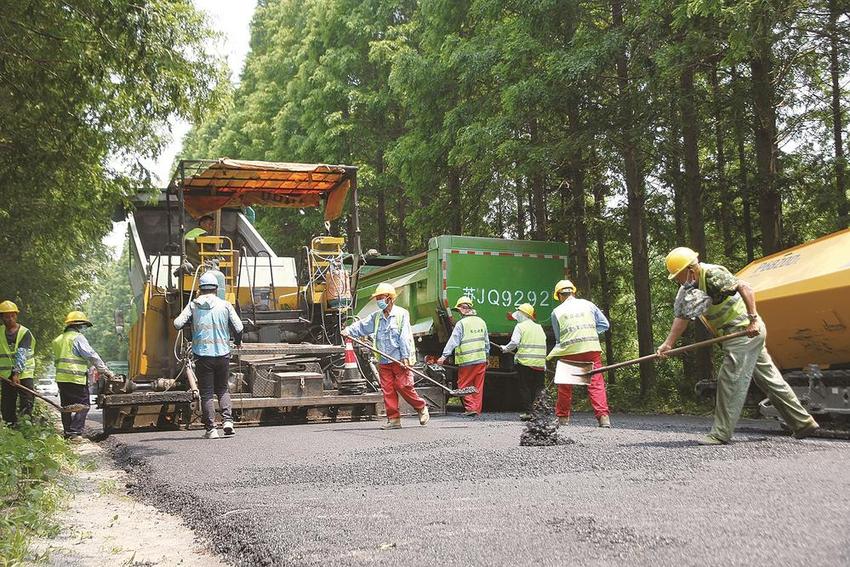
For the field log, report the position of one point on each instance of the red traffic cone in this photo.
(351, 381)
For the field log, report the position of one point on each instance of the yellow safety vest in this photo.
(729, 314)
(69, 367)
(578, 329)
(472, 348)
(7, 357)
(531, 351)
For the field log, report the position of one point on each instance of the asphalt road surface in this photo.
(461, 492)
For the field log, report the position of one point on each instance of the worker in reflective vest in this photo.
(577, 324)
(72, 355)
(390, 330)
(16, 364)
(213, 320)
(529, 342)
(206, 225)
(471, 344)
(726, 304)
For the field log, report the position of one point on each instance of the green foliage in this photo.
(110, 294)
(32, 456)
(87, 89)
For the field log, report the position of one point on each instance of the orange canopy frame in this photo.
(210, 185)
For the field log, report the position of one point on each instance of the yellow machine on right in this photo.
(803, 295)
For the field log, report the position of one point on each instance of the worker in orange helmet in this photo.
(577, 324)
(725, 305)
(470, 344)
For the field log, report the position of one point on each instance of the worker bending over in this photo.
(577, 324)
(470, 343)
(529, 342)
(72, 355)
(725, 305)
(212, 320)
(389, 328)
(17, 364)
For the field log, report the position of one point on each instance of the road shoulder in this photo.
(104, 525)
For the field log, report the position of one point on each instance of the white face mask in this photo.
(519, 316)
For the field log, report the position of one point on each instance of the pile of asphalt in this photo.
(542, 429)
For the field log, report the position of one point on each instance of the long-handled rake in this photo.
(459, 393)
(72, 408)
(579, 373)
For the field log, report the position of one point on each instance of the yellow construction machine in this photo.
(803, 295)
(289, 367)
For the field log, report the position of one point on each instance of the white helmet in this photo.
(208, 280)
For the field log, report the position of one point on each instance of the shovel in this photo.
(73, 408)
(579, 373)
(459, 393)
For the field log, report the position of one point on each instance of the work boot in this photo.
(525, 416)
(711, 441)
(75, 439)
(211, 434)
(604, 421)
(424, 416)
(228, 428)
(563, 420)
(394, 423)
(470, 414)
(806, 430)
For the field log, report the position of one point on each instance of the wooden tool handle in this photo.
(671, 352)
(388, 357)
(34, 393)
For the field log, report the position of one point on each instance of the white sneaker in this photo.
(424, 416)
(211, 434)
(228, 428)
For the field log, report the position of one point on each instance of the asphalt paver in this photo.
(464, 492)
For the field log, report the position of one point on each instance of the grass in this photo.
(32, 458)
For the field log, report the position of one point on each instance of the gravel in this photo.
(463, 492)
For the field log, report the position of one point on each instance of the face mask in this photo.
(690, 284)
(382, 304)
(519, 316)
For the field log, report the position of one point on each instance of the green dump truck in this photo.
(497, 274)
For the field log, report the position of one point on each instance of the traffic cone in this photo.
(351, 381)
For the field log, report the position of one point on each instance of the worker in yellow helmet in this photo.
(390, 330)
(529, 342)
(470, 344)
(577, 324)
(725, 305)
(16, 364)
(72, 355)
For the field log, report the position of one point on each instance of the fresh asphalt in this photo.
(461, 492)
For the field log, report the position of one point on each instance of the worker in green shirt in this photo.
(725, 305)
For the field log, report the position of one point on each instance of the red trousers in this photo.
(595, 390)
(472, 375)
(396, 379)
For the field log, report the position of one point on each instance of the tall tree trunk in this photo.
(538, 188)
(673, 164)
(579, 208)
(702, 367)
(520, 211)
(401, 210)
(636, 198)
(604, 284)
(840, 164)
(743, 170)
(381, 197)
(764, 128)
(455, 210)
(726, 212)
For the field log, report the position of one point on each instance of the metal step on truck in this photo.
(498, 275)
(290, 366)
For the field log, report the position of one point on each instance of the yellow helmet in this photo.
(385, 289)
(678, 259)
(526, 308)
(8, 307)
(77, 318)
(463, 300)
(563, 285)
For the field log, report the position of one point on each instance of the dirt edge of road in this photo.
(225, 531)
(104, 524)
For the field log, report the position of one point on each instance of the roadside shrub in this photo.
(32, 456)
